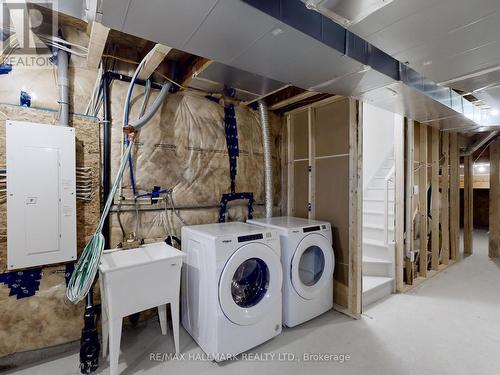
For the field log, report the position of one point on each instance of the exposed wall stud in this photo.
(422, 196)
(494, 219)
(435, 199)
(355, 205)
(445, 199)
(399, 139)
(410, 178)
(312, 163)
(454, 196)
(468, 204)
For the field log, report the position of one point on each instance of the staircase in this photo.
(378, 234)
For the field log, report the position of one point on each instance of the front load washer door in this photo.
(250, 283)
(312, 265)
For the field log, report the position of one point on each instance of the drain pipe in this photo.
(268, 162)
(62, 80)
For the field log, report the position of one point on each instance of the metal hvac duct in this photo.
(346, 12)
(383, 81)
(283, 41)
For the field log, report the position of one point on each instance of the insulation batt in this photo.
(184, 148)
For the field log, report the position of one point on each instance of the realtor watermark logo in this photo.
(25, 32)
(251, 357)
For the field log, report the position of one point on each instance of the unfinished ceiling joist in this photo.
(153, 60)
(293, 100)
(98, 37)
(199, 65)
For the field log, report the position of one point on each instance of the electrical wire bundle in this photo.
(64, 45)
(83, 276)
(84, 186)
(3, 185)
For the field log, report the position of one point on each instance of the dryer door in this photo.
(250, 283)
(312, 265)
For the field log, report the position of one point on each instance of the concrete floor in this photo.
(449, 325)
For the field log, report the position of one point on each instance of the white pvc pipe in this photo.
(63, 82)
(268, 162)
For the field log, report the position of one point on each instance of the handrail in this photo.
(387, 179)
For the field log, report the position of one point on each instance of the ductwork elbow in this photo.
(268, 162)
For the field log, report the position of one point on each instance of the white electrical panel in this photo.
(41, 194)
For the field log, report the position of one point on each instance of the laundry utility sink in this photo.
(135, 280)
(141, 277)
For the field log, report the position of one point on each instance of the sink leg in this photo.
(162, 315)
(115, 333)
(105, 333)
(174, 309)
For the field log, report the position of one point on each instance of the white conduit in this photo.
(83, 276)
(62, 81)
(268, 161)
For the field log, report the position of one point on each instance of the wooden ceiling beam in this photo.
(292, 100)
(153, 59)
(198, 66)
(98, 37)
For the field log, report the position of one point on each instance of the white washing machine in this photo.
(231, 286)
(308, 263)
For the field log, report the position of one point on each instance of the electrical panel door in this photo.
(41, 199)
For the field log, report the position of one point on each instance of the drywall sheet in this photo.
(329, 129)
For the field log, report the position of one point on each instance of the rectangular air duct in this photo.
(346, 12)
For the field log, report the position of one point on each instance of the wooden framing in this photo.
(399, 226)
(290, 171)
(445, 199)
(410, 176)
(153, 59)
(422, 199)
(494, 215)
(347, 157)
(468, 204)
(98, 37)
(427, 147)
(454, 197)
(312, 163)
(196, 68)
(355, 205)
(435, 199)
(293, 100)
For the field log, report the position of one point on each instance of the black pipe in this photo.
(89, 342)
(124, 78)
(107, 78)
(106, 163)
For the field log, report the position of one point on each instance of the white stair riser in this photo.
(380, 182)
(377, 293)
(377, 269)
(377, 234)
(378, 194)
(388, 163)
(384, 171)
(373, 205)
(375, 219)
(379, 252)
